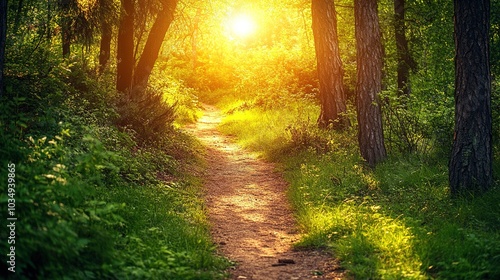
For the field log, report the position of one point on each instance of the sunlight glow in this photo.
(243, 25)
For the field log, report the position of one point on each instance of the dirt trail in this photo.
(251, 220)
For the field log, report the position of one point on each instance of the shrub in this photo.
(93, 202)
(146, 113)
(412, 127)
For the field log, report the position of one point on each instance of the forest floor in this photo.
(251, 220)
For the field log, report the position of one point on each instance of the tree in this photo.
(128, 74)
(329, 65)
(125, 47)
(65, 23)
(105, 45)
(153, 44)
(107, 17)
(369, 81)
(405, 60)
(470, 167)
(3, 37)
(79, 22)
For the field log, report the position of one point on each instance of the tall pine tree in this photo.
(329, 65)
(369, 81)
(470, 168)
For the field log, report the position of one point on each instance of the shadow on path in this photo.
(251, 219)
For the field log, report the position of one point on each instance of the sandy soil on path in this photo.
(251, 220)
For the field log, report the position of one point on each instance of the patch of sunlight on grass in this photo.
(367, 178)
(245, 125)
(394, 222)
(370, 244)
(263, 131)
(323, 225)
(336, 204)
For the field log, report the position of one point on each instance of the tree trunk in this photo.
(405, 61)
(329, 65)
(65, 27)
(105, 46)
(369, 81)
(3, 37)
(154, 42)
(470, 168)
(66, 39)
(125, 47)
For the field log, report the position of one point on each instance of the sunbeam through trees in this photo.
(370, 126)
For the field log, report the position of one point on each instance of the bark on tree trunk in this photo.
(369, 81)
(125, 47)
(105, 46)
(470, 168)
(3, 38)
(65, 28)
(405, 61)
(329, 65)
(66, 40)
(154, 42)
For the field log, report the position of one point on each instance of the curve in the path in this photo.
(251, 219)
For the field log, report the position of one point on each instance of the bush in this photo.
(411, 126)
(61, 218)
(396, 221)
(93, 201)
(146, 113)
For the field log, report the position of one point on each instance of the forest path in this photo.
(252, 222)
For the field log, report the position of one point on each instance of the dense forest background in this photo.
(95, 94)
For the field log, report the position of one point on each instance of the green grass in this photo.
(266, 132)
(93, 201)
(100, 211)
(167, 235)
(395, 222)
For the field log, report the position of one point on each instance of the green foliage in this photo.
(59, 222)
(176, 91)
(99, 202)
(152, 111)
(92, 201)
(495, 38)
(414, 125)
(268, 67)
(280, 124)
(145, 112)
(421, 123)
(396, 221)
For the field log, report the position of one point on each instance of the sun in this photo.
(243, 25)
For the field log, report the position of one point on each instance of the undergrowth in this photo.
(395, 222)
(95, 200)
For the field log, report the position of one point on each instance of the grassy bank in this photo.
(396, 221)
(99, 194)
